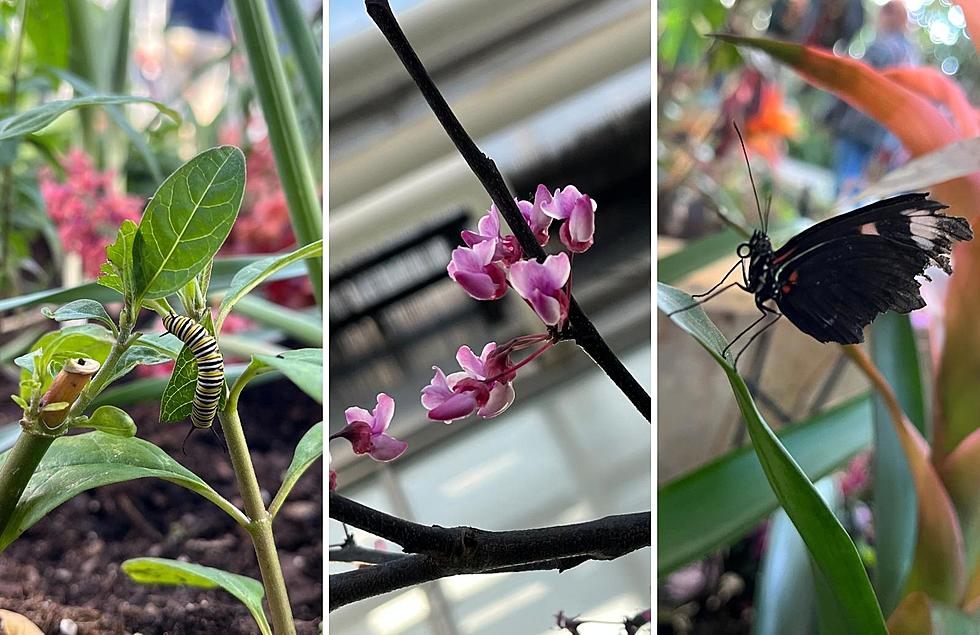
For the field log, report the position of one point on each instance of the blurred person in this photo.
(858, 138)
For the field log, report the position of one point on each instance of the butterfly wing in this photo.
(911, 219)
(837, 276)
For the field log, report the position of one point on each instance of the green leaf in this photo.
(894, 352)
(178, 398)
(80, 310)
(785, 596)
(303, 367)
(697, 254)
(308, 450)
(187, 220)
(78, 463)
(718, 503)
(303, 326)
(256, 273)
(35, 119)
(47, 27)
(111, 420)
(117, 271)
(224, 270)
(118, 117)
(832, 550)
(150, 388)
(249, 591)
(86, 340)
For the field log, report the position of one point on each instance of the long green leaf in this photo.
(288, 147)
(187, 220)
(221, 276)
(785, 596)
(249, 591)
(832, 550)
(81, 462)
(894, 352)
(308, 450)
(303, 367)
(257, 273)
(697, 254)
(119, 118)
(35, 119)
(716, 504)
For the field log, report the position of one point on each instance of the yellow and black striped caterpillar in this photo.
(210, 367)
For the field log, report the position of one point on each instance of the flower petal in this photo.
(383, 413)
(386, 448)
(354, 414)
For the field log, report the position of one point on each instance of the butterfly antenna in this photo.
(219, 438)
(755, 192)
(183, 448)
(765, 223)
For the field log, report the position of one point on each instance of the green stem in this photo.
(260, 521)
(301, 42)
(17, 470)
(6, 196)
(288, 146)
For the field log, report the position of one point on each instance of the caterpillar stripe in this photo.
(210, 367)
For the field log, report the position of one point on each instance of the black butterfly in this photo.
(834, 278)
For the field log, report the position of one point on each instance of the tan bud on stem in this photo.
(65, 389)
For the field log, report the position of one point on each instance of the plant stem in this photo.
(288, 146)
(302, 44)
(580, 328)
(260, 522)
(17, 470)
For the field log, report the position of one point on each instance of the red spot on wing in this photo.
(787, 288)
(793, 277)
(780, 258)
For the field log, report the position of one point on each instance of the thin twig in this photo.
(579, 329)
(438, 552)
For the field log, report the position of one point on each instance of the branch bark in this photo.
(580, 328)
(435, 552)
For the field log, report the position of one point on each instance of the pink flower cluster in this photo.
(490, 261)
(484, 386)
(489, 264)
(86, 208)
(263, 224)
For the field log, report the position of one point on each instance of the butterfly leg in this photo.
(713, 295)
(757, 334)
(766, 312)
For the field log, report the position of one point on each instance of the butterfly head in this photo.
(758, 250)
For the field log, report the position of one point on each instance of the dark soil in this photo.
(68, 564)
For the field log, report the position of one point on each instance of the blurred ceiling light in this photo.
(471, 478)
(400, 613)
(460, 587)
(489, 614)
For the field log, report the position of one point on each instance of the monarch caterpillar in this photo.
(210, 367)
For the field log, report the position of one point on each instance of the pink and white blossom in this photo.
(474, 269)
(507, 249)
(366, 431)
(542, 286)
(578, 212)
(534, 213)
(483, 386)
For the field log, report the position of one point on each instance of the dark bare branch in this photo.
(439, 552)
